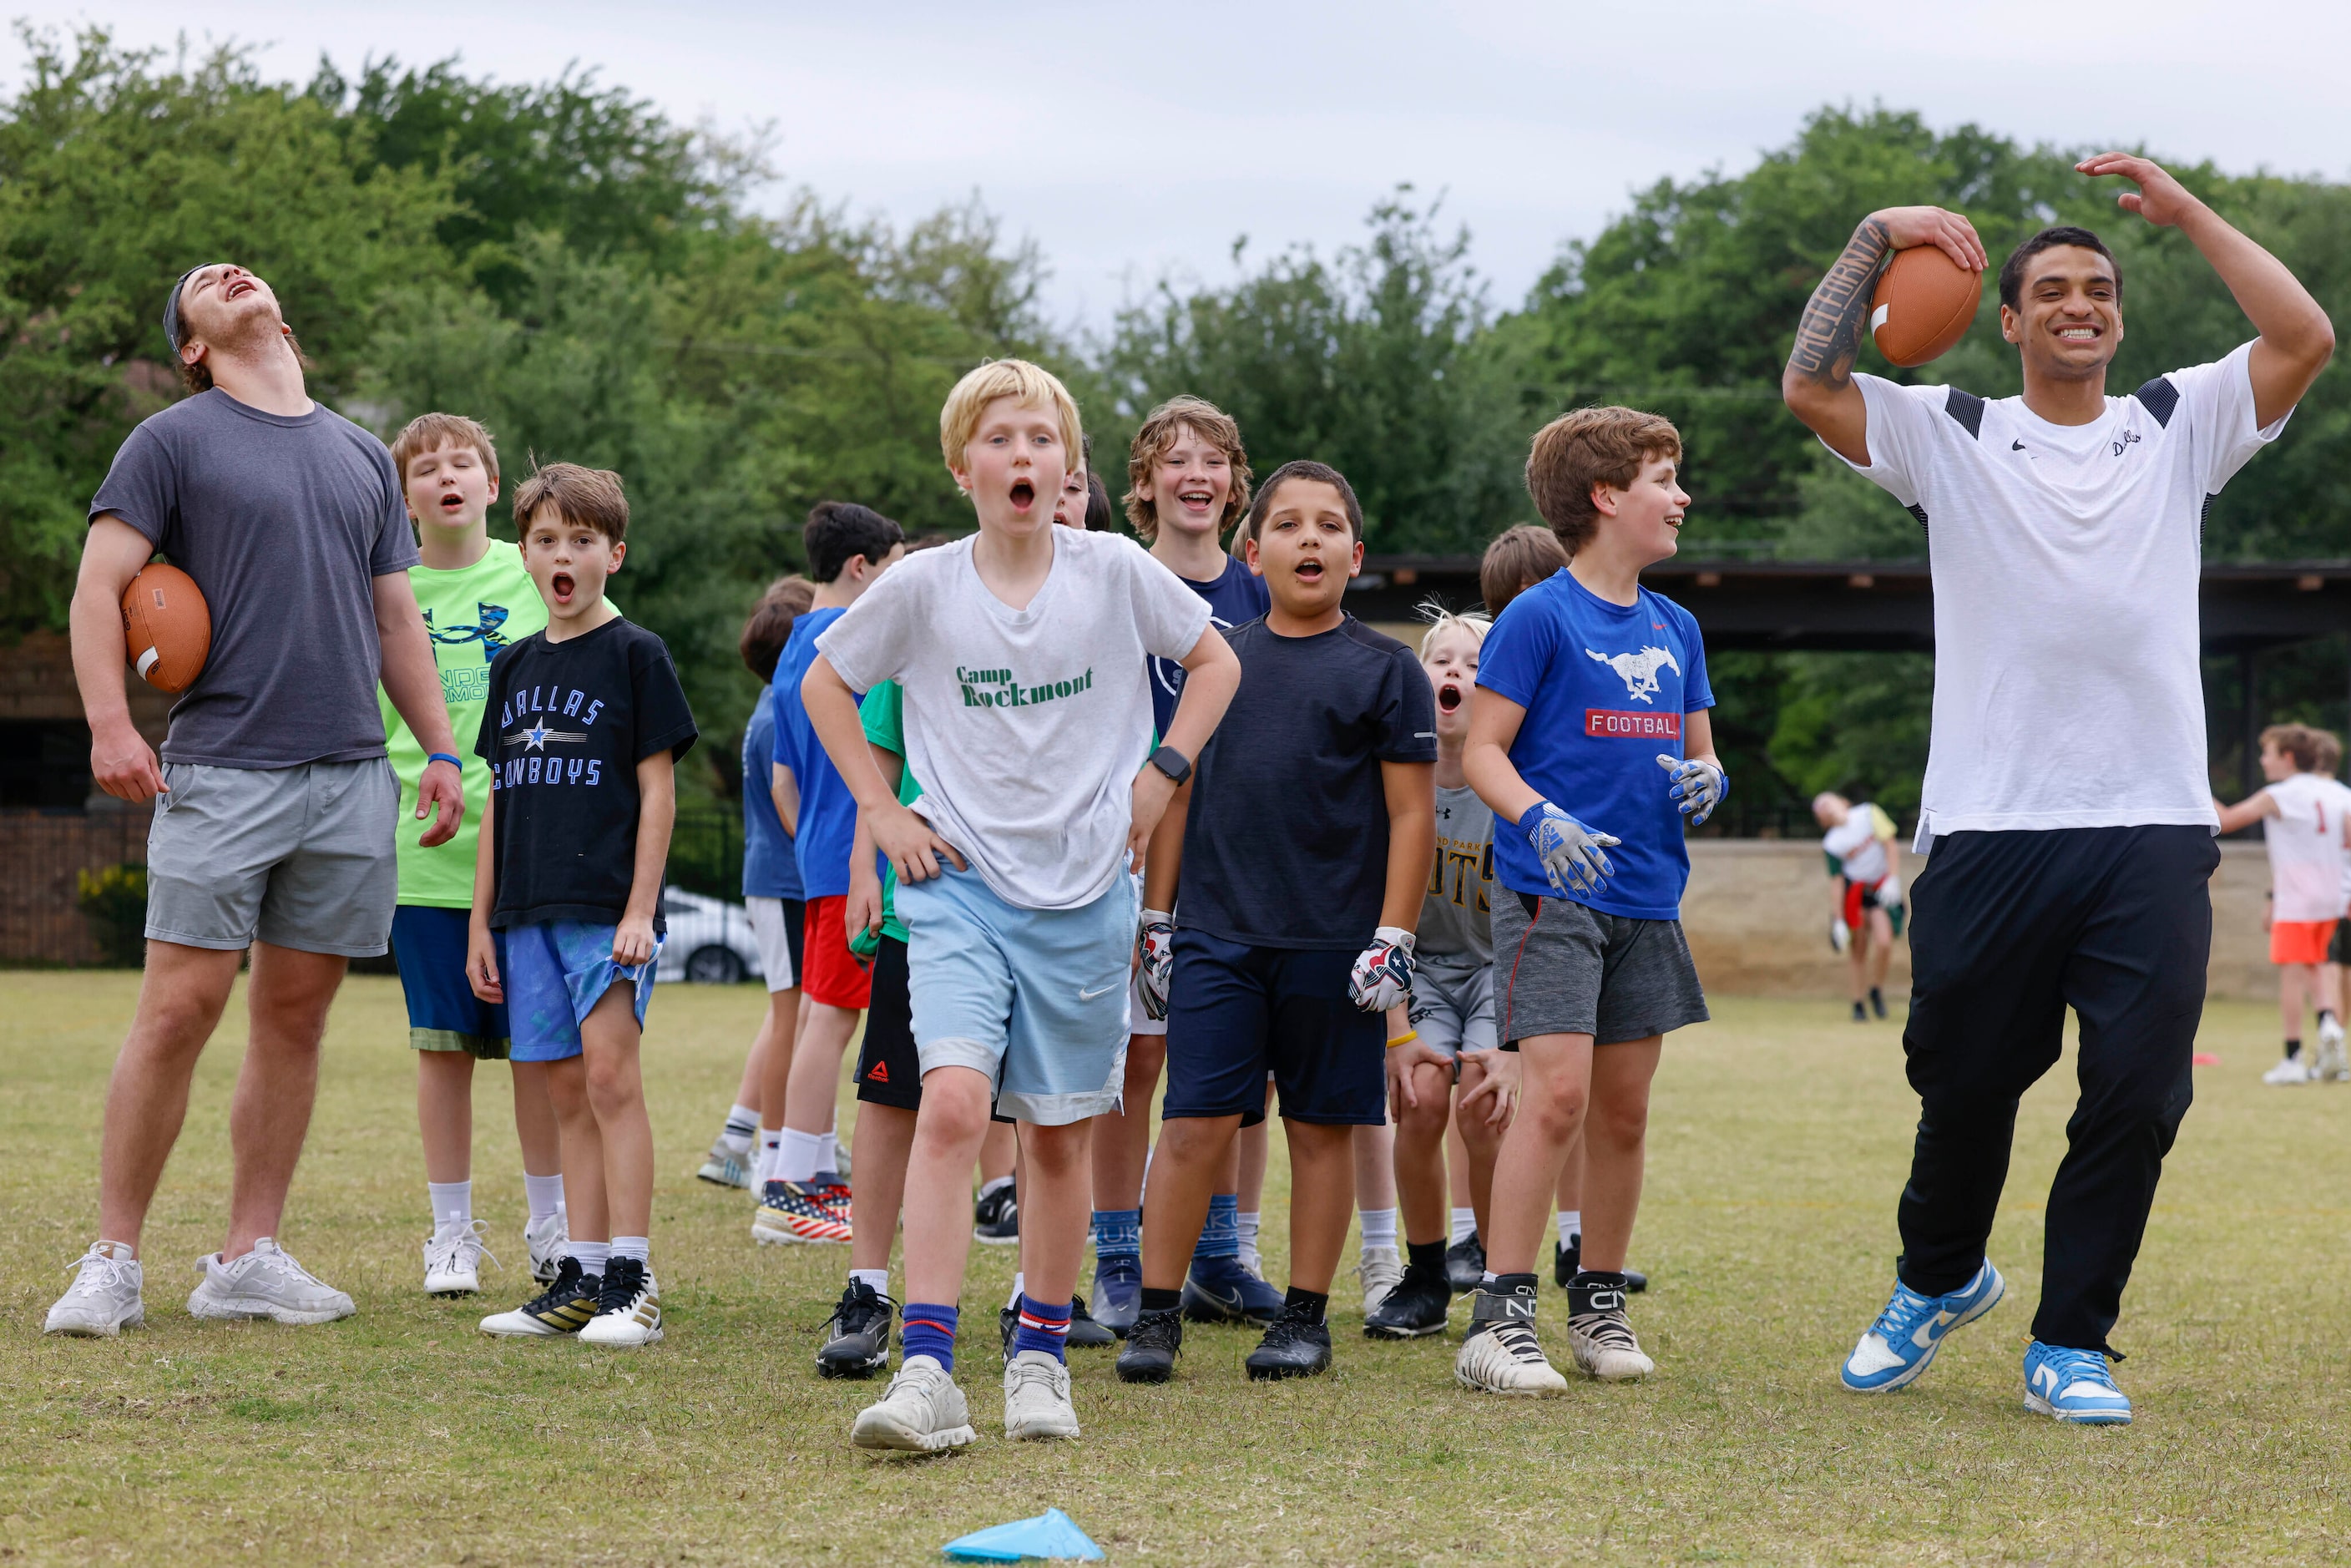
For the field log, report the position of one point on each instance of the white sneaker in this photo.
(546, 1240)
(2332, 1067)
(453, 1258)
(102, 1300)
(1505, 1359)
(1381, 1270)
(628, 1307)
(1604, 1347)
(1037, 1398)
(2289, 1070)
(265, 1283)
(921, 1412)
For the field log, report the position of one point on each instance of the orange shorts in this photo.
(2299, 941)
(830, 972)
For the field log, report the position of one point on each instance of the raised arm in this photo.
(120, 757)
(2296, 338)
(1817, 385)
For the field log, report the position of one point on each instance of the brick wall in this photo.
(39, 921)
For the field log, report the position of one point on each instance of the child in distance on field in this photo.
(590, 721)
(477, 600)
(2304, 830)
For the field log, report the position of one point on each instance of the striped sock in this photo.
(742, 1120)
(1042, 1327)
(1118, 1233)
(929, 1329)
(1221, 1236)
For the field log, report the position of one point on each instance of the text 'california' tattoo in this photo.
(1828, 339)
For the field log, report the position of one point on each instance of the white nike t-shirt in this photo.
(1026, 726)
(2305, 844)
(2065, 560)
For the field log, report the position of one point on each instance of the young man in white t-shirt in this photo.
(1867, 899)
(1020, 653)
(2066, 813)
(2302, 826)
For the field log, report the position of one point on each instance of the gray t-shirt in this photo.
(285, 524)
(1457, 918)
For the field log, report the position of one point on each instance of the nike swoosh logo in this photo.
(2016, 446)
(1085, 996)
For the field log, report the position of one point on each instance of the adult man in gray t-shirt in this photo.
(275, 828)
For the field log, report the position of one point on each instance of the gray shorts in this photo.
(1564, 969)
(299, 857)
(1452, 1007)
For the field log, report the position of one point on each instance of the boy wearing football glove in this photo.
(1304, 853)
(1584, 679)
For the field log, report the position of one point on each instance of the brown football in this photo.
(1924, 305)
(166, 628)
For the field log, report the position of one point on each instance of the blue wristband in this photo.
(456, 762)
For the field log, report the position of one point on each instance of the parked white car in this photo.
(709, 941)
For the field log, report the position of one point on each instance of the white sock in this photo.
(877, 1278)
(590, 1254)
(1571, 1223)
(796, 1155)
(987, 1187)
(741, 1122)
(828, 1158)
(1464, 1225)
(768, 1138)
(1019, 1281)
(637, 1246)
(1379, 1228)
(545, 1193)
(452, 1203)
(1249, 1219)
(1488, 1277)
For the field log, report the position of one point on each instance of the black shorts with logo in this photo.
(889, 1068)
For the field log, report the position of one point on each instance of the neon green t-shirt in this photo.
(885, 726)
(471, 614)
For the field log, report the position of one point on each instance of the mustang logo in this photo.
(484, 631)
(1639, 670)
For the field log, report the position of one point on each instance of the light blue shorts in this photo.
(1033, 998)
(556, 971)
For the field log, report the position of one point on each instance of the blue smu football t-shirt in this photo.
(1605, 687)
(828, 821)
(769, 869)
(1234, 599)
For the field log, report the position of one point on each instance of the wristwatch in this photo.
(1173, 763)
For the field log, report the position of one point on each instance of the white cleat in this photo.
(627, 1308)
(2332, 1068)
(103, 1299)
(921, 1412)
(1505, 1359)
(265, 1283)
(1381, 1270)
(1604, 1348)
(2290, 1070)
(453, 1259)
(1037, 1398)
(546, 1238)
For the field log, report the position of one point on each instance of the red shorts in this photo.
(1860, 897)
(830, 972)
(2299, 941)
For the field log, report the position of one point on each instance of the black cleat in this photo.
(1084, 1332)
(1220, 1291)
(1292, 1347)
(1860, 1013)
(857, 1335)
(1415, 1309)
(1465, 1264)
(996, 1219)
(1877, 1001)
(1565, 1260)
(1152, 1346)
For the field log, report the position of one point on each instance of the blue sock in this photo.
(929, 1329)
(1042, 1328)
(1118, 1233)
(1221, 1236)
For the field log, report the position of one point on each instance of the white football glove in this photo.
(1570, 851)
(1698, 785)
(1839, 937)
(1383, 975)
(1156, 942)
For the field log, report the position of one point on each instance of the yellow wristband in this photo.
(1406, 1038)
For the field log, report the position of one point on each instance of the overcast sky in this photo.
(1130, 141)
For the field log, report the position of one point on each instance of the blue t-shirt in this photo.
(1236, 599)
(828, 823)
(769, 871)
(1604, 687)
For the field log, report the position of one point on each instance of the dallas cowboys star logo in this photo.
(537, 737)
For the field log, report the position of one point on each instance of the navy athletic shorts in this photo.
(428, 944)
(1237, 1012)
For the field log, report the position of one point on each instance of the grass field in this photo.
(1778, 1141)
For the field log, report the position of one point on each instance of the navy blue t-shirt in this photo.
(1286, 844)
(769, 870)
(1234, 599)
(1605, 687)
(828, 819)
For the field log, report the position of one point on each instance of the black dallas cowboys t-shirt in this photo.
(566, 725)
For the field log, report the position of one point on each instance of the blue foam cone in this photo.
(1051, 1534)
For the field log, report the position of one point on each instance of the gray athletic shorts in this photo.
(299, 857)
(1562, 969)
(1453, 1006)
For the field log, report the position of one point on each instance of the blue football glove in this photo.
(1383, 976)
(1156, 944)
(1570, 851)
(1698, 785)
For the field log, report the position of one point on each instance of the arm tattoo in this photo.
(1828, 339)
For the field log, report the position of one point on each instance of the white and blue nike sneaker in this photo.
(1910, 1329)
(2073, 1386)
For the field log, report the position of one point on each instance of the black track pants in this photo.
(2009, 930)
